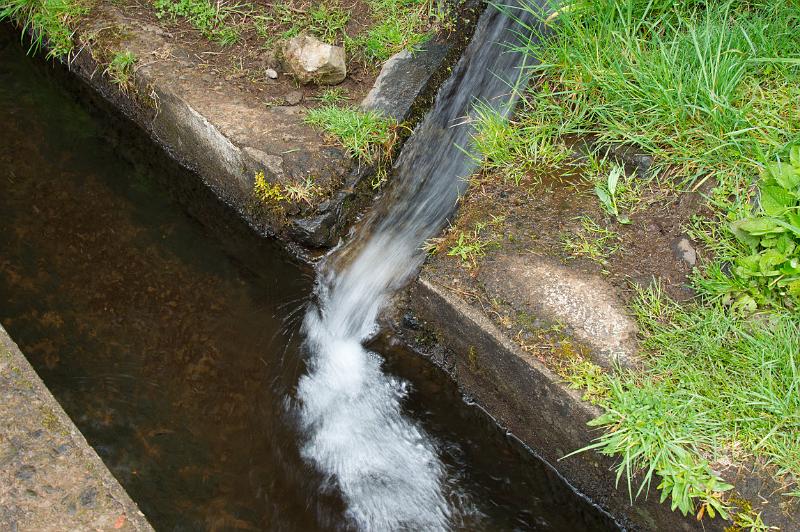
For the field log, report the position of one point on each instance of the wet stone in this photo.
(294, 97)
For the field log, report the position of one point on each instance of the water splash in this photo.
(386, 466)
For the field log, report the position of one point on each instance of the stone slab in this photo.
(532, 402)
(50, 478)
(586, 304)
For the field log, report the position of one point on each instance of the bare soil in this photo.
(241, 65)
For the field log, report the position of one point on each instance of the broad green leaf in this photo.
(794, 156)
(748, 264)
(743, 236)
(785, 244)
(768, 261)
(794, 228)
(794, 288)
(785, 174)
(776, 199)
(760, 226)
(605, 199)
(791, 267)
(613, 179)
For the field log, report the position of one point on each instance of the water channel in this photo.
(170, 333)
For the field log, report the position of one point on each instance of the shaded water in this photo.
(169, 333)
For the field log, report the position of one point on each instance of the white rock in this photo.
(313, 61)
(271, 73)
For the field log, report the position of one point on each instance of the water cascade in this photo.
(385, 466)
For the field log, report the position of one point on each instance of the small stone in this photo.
(686, 252)
(313, 61)
(272, 73)
(411, 321)
(88, 497)
(293, 98)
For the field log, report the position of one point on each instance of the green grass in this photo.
(120, 69)
(324, 20)
(717, 386)
(332, 96)
(399, 25)
(393, 25)
(210, 18)
(709, 89)
(52, 22)
(471, 245)
(365, 135)
(709, 92)
(591, 241)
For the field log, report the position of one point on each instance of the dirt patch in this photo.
(547, 214)
(240, 66)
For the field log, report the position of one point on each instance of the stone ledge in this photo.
(50, 478)
(524, 396)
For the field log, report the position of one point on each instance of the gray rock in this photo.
(685, 251)
(271, 73)
(313, 61)
(586, 304)
(402, 80)
(293, 98)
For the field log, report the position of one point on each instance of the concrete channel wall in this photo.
(50, 478)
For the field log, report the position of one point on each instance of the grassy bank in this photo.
(710, 90)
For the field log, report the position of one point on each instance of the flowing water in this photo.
(387, 468)
(170, 335)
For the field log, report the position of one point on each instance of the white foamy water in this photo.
(386, 467)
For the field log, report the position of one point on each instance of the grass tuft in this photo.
(120, 69)
(51, 22)
(717, 386)
(364, 134)
(209, 18)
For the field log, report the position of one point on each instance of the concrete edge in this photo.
(90, 499)
(535, 405)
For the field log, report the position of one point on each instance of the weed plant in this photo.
(717, 386)
(401, 25)
(710, 89)
(120, 69)
(209, 18)
(395, 25)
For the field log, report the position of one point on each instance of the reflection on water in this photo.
(173, 343)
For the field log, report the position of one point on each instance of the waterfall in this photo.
(386, 467)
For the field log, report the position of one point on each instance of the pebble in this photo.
(271, 73)
(294, 97)
(686, 251)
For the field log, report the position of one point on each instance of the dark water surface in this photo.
(169, 333)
